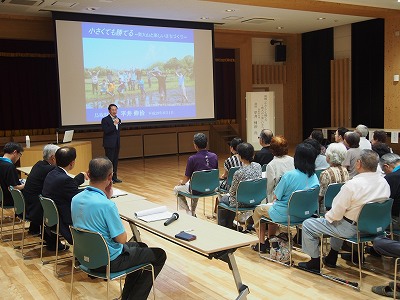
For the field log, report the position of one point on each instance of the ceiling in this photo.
(319, 14)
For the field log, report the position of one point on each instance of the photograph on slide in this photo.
(148, 72)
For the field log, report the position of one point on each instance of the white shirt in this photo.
(364, 143)
(364, 187)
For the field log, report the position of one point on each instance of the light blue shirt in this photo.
(91, 210)
(290, 182)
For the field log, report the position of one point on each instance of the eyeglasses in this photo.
(19, 153)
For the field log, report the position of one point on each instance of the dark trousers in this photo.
(387, 247)
(137, 284)
(113, 154)
(225, 217)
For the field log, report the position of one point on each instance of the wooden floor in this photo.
(186, 275)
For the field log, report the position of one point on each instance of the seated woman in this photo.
(320, 161)
(335, 155)
(280, 164)
(248, 171)
(301, 178)
(231, 161)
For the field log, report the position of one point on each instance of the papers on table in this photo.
(154, 214)
(118, 192)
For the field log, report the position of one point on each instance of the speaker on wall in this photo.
(280, 53)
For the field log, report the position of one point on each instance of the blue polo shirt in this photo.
(91, 210)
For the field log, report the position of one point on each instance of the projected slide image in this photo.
(148, 72)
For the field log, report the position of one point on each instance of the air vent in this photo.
(257, 20)
(63, 4)
(24, 2)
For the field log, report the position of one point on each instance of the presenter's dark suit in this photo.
(60, 187)
(111, 141)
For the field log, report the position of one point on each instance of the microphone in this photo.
(174, 217)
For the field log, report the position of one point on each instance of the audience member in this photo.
(320, 161)
(379, 136)
(381, 148)
(202, 160)
(60, 187)
(230, 162)
(264, 156)
(390, 165)
(341, 220)
(335, 155)
(319, 137)
(339, 134)
(389, 248)
(362, 131)
(301, 178)
(280, 164)
(34, 186)
(8, 172)
(351, 141)
(248, 171)
(92, 210)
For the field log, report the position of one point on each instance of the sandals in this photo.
(386, 291)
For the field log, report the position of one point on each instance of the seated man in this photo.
(390, 164)
(341, 220)
(389, 248)
(248, 171)
(231, 161)
(362, 130)
(34, 186)
(202, 160)
(60, 187)
(352, 143)
(8, 172)
(92, 210)
(264, 156)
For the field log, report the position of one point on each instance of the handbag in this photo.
(280, 247)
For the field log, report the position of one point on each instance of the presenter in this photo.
(111, 126)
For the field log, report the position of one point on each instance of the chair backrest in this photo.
(50, 211)
(304, 203)
(318, 172)
(264, 168)
(331, 191)
(19, 201)
(205, 181)
(230, 175)
(90, 248)
(252, 192)
(375, 217)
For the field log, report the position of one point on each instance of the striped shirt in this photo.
(332, 175)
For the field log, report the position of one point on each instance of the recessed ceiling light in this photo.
(279, 27)
(91, 8)
(231, 10)
(204, 18)
(319, 19)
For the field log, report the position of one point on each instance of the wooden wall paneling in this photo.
(392, 67)
(185, 141)
(160, 144)
(340, 91)
(131, 146)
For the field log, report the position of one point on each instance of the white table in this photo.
(213, 241)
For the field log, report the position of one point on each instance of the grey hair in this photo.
(336, 153)
(49, 150)
(362, 130)
(369, 160)
(389, 159)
